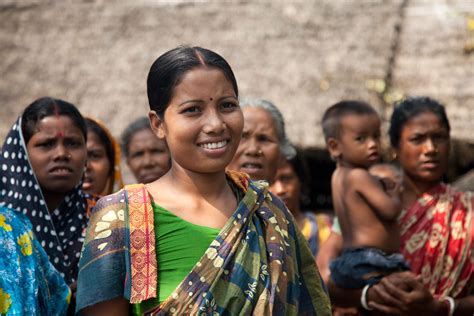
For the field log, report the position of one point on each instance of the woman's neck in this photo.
(53, 200)
(413, 189)
(207, 185)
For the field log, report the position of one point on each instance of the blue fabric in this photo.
(357, 267)
(29, 284)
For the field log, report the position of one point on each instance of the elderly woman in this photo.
(264, 144)
(147, 156)
(436, 224)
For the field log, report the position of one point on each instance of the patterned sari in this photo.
(437, 240)
(60, 231)
(29, 284)
(258, 264)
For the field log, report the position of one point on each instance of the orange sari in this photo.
(437, 240)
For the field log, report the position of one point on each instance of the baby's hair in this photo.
(168, 70)
(140, 124)
(331, 121)
(286, 147)
(48, 106)
(94, 127)
(408, 109)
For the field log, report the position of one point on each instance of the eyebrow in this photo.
(202, 101)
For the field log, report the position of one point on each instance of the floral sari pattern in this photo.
(437, 240)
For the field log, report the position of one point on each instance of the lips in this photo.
(214, 144)
(61, 170)
(374, 156)
(430, 164)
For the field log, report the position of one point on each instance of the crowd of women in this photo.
(217, 224)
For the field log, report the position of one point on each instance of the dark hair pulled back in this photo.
(45, 107)
(408, 109)
(167, 71)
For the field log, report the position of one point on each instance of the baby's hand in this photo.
(390, 178)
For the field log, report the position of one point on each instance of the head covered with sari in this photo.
(61, 230)
(113, 181)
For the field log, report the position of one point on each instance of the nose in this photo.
(252, 147)
(373, 143)
(214, 124)
(62, 153)
(148, 160)
(430, 146)
(278, 188)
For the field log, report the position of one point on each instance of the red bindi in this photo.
(59, 134)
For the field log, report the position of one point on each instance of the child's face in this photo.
(203, 122)
(359, 141)
(57, 153)
(287, 186)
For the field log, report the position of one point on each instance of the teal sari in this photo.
(258, 264)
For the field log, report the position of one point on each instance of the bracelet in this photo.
(363, 298)
(452, 304)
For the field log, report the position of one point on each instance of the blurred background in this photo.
(302, 55)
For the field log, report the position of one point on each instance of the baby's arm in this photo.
(386, 206)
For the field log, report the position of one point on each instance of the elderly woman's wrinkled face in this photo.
(424, 149)
(259, 149)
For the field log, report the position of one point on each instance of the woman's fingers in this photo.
(385, 309)
(383, 294)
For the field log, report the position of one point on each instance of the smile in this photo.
(214, 145)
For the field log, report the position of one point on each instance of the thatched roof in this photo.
(302, 55)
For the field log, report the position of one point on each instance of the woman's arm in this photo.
(115, 307)
(329, 250)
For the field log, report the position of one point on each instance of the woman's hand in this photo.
(403, 293)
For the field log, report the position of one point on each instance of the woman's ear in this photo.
(333, 148)
(156, 124)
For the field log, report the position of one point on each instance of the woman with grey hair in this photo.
(147, 156)
(264, 143)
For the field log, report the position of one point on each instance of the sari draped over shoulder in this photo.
(437, 240)
(258, 264)
(60, 231)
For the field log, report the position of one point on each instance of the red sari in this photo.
(437, 240)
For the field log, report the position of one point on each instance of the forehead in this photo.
(202, 81)
(424, 122)
(258, 120)
(93, 139)
(52, 125)
(359, 123)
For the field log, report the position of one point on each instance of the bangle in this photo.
(363, 298)
(451, 303)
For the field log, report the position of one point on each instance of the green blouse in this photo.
(175, 238)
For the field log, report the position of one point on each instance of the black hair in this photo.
(333, 115)
(409, 108)
(138, 125)
(94, 127)
(48, 106)
(167, 71)
(301, 169)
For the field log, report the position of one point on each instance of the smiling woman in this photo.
(223, 243)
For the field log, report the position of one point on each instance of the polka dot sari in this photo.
(60, 231)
